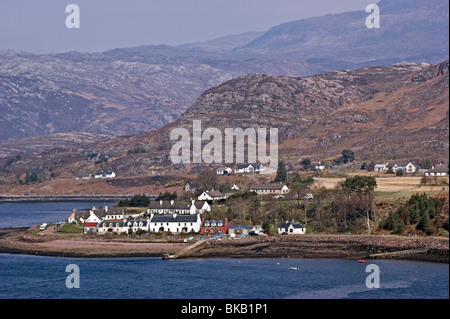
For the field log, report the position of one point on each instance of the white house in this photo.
(213, 195)
(93, 215)
(269, 189)
(115, 226)
(175, 223)
(320, 167)
(438, 170)
(103, 174)
(380, 168)
(224, 170)
(291, 228)
(406, 167)
(178, 207)
(114, 213)
(234, 187)
(90, 227)
(244, 168)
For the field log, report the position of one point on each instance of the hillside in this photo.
(382, 113)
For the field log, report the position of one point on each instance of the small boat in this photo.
(167, 256)
(362, 261)
(294, 268)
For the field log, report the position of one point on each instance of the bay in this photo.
(26, 214)
(38, 277)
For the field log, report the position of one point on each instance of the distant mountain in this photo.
(132, 90)
(226, 43)
(410, 31)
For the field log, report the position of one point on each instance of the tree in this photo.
(348, 156)
(359, 184)
(364, 166)
(424, 223)
(281, 173)
(306, 163)
(207, 179)
(362, 186)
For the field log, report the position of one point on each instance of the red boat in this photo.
(362, 261)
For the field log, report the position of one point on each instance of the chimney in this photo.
(171, 202)
(174, 215)
(106, 209)
(160, 202)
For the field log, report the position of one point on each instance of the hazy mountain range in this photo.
(133, 90)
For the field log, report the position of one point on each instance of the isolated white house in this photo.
(291, 228)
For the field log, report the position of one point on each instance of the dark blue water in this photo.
(23, 276)
(29, 214)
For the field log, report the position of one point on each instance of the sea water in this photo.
(27, 276)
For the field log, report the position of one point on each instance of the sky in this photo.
(39, 26)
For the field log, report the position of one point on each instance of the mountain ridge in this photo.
(133, 90)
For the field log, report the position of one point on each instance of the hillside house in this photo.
(380, 168)
(291, 228)
(269, 189)
(244, 168)
(214, 226)
(212, 195)
(234, 187)
(438, 170)
(191, 187)
(224, 171)
(175, 223)
(406, 167)
(319, 167)
(103, 174)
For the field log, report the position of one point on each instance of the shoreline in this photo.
(353, 247)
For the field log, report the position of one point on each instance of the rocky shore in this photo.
(21, 241)
(330, 246)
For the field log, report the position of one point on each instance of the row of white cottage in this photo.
(173, 216)
(155, 223)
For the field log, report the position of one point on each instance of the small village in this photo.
(189, 217)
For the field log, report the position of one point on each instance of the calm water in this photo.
(24, 276)
(28, 277)
(29, 214)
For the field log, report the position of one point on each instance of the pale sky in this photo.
(39, 26)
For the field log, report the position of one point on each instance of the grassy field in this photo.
(390, 186)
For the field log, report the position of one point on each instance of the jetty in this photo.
(190, 249)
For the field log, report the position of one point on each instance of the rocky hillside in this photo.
(381, 113)
(133, 90)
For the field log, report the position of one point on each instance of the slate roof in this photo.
(286, 225)
(177, 219)
(239, 227)
(266, 186)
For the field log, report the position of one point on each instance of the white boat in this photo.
(294, 268)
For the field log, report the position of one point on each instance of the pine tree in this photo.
(424, 222)
(281, 173)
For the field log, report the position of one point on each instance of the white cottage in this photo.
(291, 228)
(175, 223)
